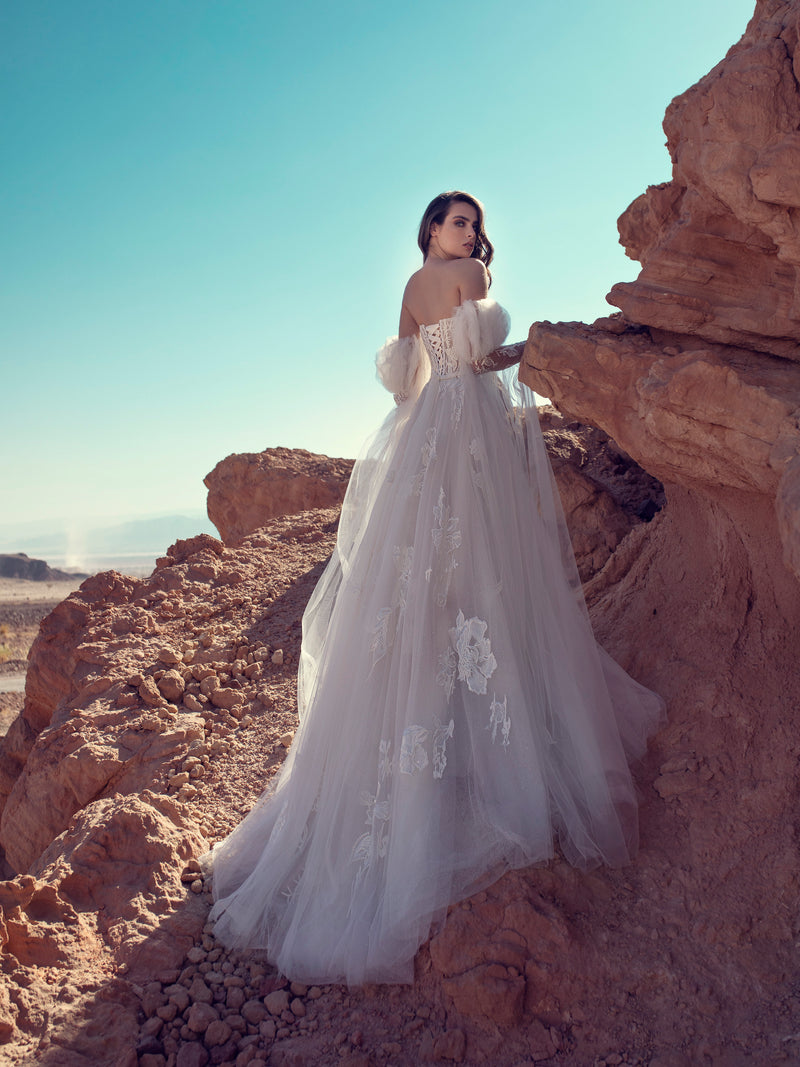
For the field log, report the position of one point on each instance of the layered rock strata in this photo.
(719, 244)
(698, 380)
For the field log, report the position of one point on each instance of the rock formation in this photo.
(156, 708)
(138, 693)
(698, 381)
(18, 565)
(246, 490)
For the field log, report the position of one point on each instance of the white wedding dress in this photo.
(456, 714)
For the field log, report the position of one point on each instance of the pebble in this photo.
(254, 1011)
(199, 991)
(235, 998)
(268, 1029)
(200, 1017)
(277, 1002)
(217, 1033)
(180, 998)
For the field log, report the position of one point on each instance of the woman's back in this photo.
(437, 288)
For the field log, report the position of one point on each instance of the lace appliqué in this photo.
(380, 642)
(373, 844)
(441, 735)
(413, 748)
(446, 537)
(476, 461)
(403, 559)
(476, 662)
(385, 624)
(498, 717)
(413, 757)
(446, 676)
(428, 454)
(454, 388)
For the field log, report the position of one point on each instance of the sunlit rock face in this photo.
(698, 380)
(246, 490)
(720, 244)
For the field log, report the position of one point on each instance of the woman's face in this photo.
(455, 237)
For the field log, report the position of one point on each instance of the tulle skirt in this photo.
(457, 715)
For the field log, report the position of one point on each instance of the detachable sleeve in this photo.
(403, 367)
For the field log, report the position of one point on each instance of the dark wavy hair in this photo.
(436, 212)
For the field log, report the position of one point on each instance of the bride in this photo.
(456, 715)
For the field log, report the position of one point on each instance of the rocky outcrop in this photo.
(19, 565)
(719, 245)
(698, 381)
(138, 691)
(246, 490)
(604, 493)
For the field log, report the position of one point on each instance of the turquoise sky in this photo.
(209, 210)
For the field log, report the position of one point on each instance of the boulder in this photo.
(245, 491)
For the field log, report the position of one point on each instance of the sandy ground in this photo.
(23, 604)
(23, 591)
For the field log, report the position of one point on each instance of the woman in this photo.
(457, 715)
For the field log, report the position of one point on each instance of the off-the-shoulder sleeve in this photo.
(479, 327)
(403, 367)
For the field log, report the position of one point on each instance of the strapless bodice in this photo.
(438, 341)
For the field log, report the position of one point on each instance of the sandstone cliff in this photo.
(698, 380)
(155, 708)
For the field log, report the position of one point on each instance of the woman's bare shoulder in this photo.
(412, 284)
(473, 279)
(470, 268)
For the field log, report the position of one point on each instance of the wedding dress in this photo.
(456, 714)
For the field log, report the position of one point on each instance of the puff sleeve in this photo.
(403, 367)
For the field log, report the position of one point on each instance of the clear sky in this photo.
(209, 209)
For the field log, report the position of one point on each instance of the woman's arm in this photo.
(505, 356)
(408, 324)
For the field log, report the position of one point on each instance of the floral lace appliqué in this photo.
(476, 460)
(403, 559)
(413, 757)
(373, 844)
(476, 662)
(385, 623)
(441, 734)
(498, 717)
(428, 454)
(380, 642)
(454, 388)
(446, 676)
(446, 537)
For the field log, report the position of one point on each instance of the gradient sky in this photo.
(209, 210)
